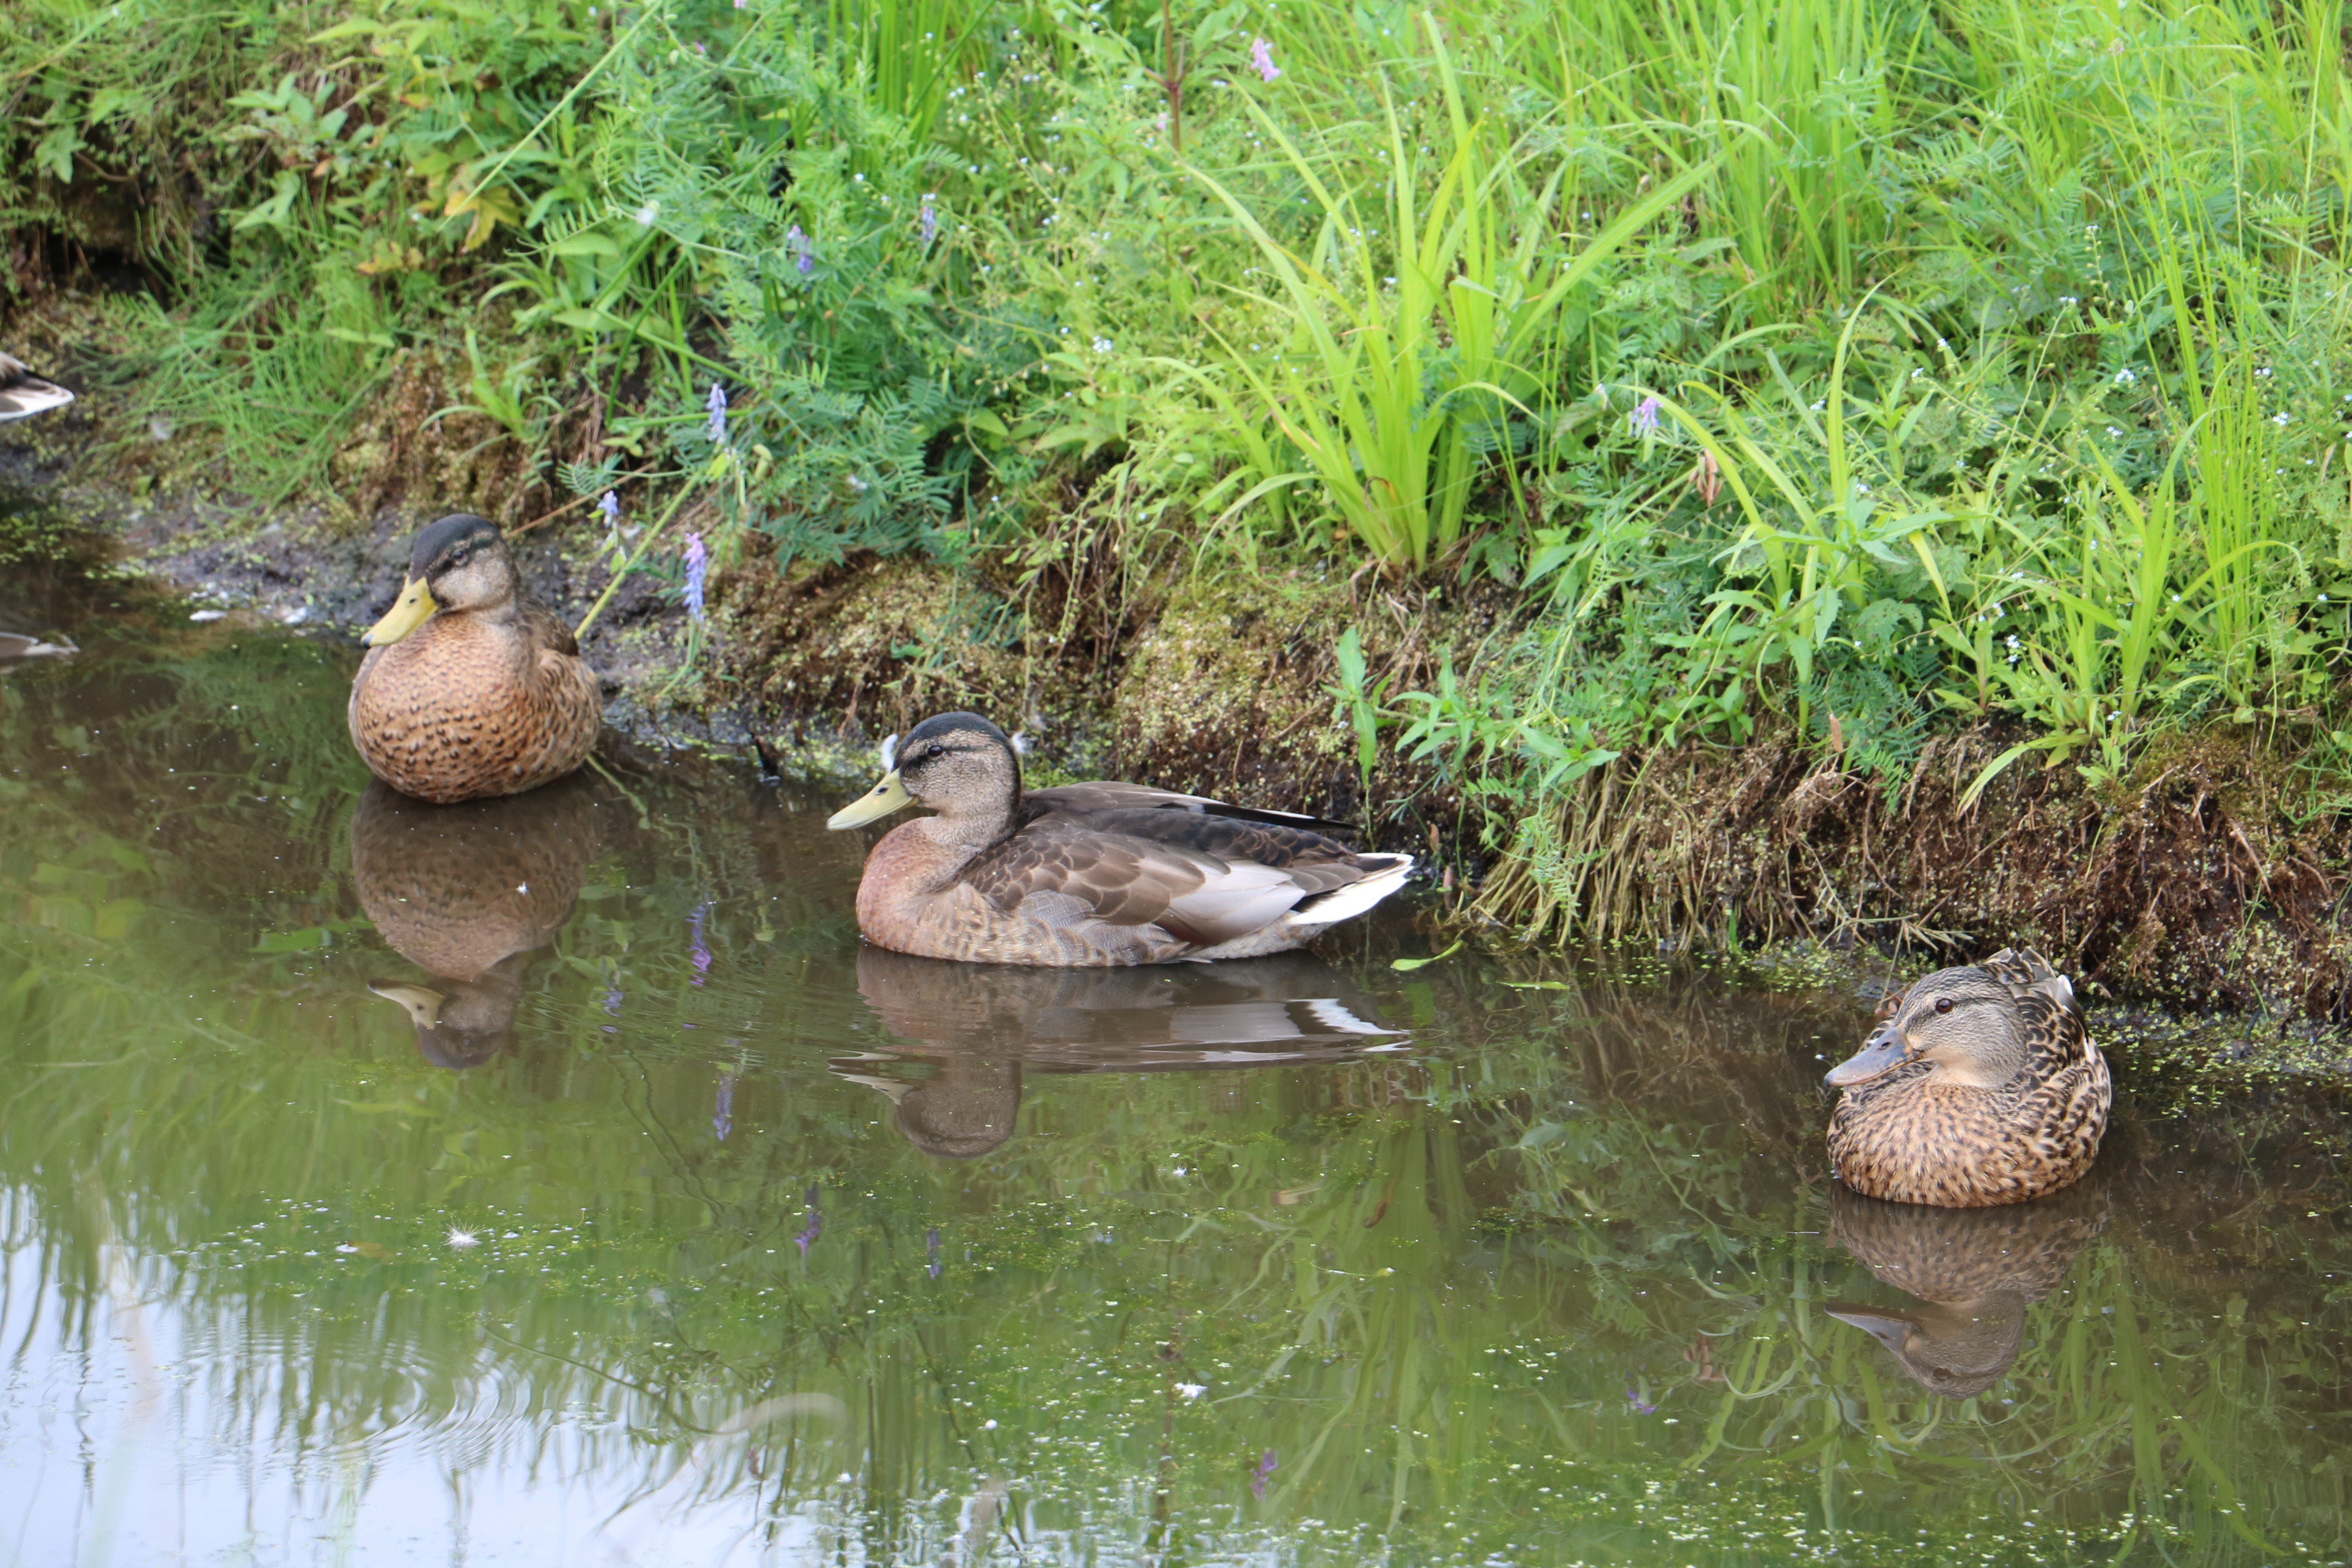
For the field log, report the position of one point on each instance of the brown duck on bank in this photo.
(24, 394)
(1984, 1088)
(1089, 874)
(470, 688)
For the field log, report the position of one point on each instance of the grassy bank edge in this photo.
(2212, 875)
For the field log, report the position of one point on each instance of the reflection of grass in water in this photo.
(1398, 1280)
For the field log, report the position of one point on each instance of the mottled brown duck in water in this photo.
(1089, 874)
(467, 893)
(1984, 1088)
(1971, 1274)
(470, 688)
(24, 394)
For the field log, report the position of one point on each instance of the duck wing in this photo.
(23, 394)
(548, 632)
(2028, 973)
(1203, 880)
(1105, 796)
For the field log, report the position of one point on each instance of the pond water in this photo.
(561, 1181)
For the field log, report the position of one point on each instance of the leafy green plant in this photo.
(1394, 388)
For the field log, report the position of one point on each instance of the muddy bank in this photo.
(2209, 877)
(2205, 879)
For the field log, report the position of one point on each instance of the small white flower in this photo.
(648, 212)
(2125, 377)
(987, 1425)
(462, 1240)
(1192, 1390)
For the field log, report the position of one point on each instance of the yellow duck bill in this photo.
(878, 802)
(410, 610)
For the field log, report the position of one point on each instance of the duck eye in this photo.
(1943, 1004)
(935, 752)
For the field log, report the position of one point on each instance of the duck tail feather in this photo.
(1346, 902)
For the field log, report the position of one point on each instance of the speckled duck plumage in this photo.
(1970, 1275)
(467, 893)
(1984, 1088)
(1089, 874)
(471, 689)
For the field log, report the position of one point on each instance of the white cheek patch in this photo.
(889, 753)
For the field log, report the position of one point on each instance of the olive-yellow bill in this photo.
(410, 610)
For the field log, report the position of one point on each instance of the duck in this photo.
(978, 1027)
(1283, 1009)
(1983, 1088)
(1087, 875)
(24, 394)
(18, 646)
(470, 688)
(470, 894)
(1971, 1273)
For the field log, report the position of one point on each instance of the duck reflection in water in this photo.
(1971, 1274)
(468, 892)
(980, 1025)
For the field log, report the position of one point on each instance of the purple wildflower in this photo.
(1266, 1465)
(1644, 417)
(804, 254)
(611, 507)
(701, 948)
(698, 562)
(930, 219)
(722, 1119)
(1262, 56)
(931, 1251)
(716, 404)
(807, 1238)
(613, 999)
(1640, 1406)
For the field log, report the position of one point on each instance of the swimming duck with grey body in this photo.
(469, 893)
(978, 1027)
(1090, 874)
(470, 687)
(1984, 1088)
